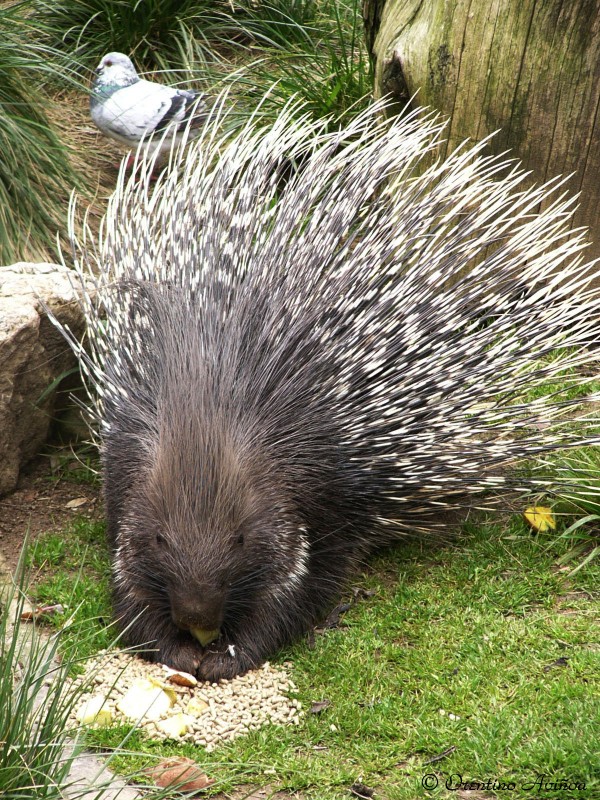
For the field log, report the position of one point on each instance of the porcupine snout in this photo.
(203, 609)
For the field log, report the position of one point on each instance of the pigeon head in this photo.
(115, 69)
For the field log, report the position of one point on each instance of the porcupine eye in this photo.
(240, 539)
(160, 539)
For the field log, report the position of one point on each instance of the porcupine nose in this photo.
(200, 613)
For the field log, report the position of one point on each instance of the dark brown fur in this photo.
(208, 508)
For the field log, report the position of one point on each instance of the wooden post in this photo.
(527, 68)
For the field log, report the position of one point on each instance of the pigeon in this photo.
(128, 108)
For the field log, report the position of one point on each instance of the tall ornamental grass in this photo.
(36, 175)
(39, 741)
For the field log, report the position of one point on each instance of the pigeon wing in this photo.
(135, 110)
(185, 107)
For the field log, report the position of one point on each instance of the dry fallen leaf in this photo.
(32, 612)
(319, 705)
(560, 662)
(362, 791)
(333, 619)
(433, 759)
(540, 518)
(77, 502)
(181, 773)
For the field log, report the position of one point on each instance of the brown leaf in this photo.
(180, 773)
(77, 502)
(32, 613)
(333, 618)
(319, 706)
(440, 756)
(360, 593)
(179, 678)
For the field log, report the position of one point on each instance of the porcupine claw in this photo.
(183, 654)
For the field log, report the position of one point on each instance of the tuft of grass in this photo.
(36, 175)
(279, 24)
(324, 66)
(72, 568)
(578, 472)
(33, 738)
(148, 31)
(39, 742)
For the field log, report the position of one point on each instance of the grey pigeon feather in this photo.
(126, 107)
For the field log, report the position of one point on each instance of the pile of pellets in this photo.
(166, 704)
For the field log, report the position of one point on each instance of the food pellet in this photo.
(215, 713)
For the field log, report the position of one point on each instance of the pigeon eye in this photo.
(108, 64)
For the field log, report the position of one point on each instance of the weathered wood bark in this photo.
(528, 68)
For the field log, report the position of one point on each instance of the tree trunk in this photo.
(527, 68)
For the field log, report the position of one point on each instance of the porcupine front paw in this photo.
(182, 653)
(223, 661)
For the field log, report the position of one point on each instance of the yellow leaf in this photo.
(540, 518)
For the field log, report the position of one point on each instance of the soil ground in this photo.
(41, 503)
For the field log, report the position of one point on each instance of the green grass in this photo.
(33, 728)
(279, 24)
(148, 31)
(579, 471)
(324, 64)
(151, 32)
(72, 568)
(77, 464)
(474, 629)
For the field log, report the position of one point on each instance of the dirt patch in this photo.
(42, 503)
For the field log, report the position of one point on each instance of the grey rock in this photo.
(32, 355)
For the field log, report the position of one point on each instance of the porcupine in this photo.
(286, 379)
